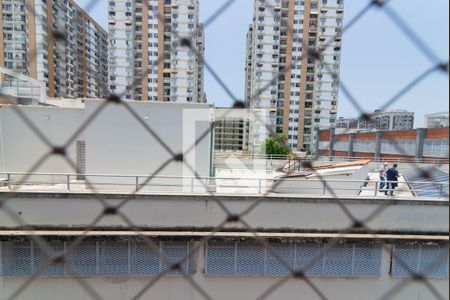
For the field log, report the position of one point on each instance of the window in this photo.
(399, 147)
(366, 147)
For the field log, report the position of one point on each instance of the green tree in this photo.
(275, 145)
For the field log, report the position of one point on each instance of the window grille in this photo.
(425, 260)
(95, 258)
(252, 259)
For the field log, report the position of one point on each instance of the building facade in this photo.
(402, 145)
(437, 120)
(296, 92)
(231, 130)
(55, 42)
(156, 50)
(230, 263)
(380, 120)
(93, 149)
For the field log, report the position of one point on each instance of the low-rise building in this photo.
(380, 120)
(437, 120)
(231, 130)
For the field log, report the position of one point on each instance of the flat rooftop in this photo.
(226, 182)
(235, 176)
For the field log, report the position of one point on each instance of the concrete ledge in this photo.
(221, 235)
(221, 197)
(174, 212)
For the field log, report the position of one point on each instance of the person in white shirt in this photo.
(383, 175)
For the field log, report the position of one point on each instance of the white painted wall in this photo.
(161, 212)
(21, 148)
(116, 142)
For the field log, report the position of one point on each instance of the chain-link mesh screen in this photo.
(83, 257)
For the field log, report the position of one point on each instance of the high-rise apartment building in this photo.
(156, 50)
(56, 42)
(296, 99)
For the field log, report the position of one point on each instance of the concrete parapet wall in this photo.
(170, 212)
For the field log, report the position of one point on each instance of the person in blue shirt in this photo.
(392, 176)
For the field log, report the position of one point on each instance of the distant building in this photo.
(72, 67)
(294, 93)
(380, 120)
(437, 120)
(347, 123)
(156, 50)
(231, 129)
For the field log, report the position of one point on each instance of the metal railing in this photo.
(69, 182)
(433, 161)
(225, 155)
(425, 160)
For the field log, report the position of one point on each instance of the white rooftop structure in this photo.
(437, 120)
(21, 88)
(106, 138)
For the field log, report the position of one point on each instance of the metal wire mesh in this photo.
(38, 257)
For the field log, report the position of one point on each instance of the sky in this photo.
(377, 59)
